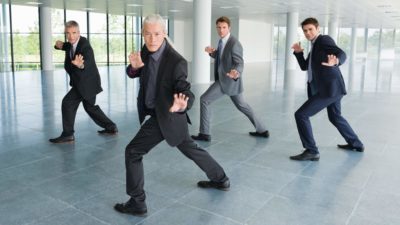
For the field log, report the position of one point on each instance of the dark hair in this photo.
(310, 20)
(223, 19)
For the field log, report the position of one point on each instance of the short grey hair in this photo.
(155, 19)
(71, 23)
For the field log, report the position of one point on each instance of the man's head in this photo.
(223, 26)
(310, 28)
(72, 31)
(154, 31)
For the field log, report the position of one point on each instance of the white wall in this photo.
(181, 33)
(256, 38)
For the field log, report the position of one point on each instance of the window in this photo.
(98, 37)
(116, 39)
(26, 37)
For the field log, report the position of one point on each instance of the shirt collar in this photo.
(76, 44)
(225, 39)
(157, 54)
(313, 41)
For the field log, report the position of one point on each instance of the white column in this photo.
(333, 29)
(353, 44)
(201, 38)
(46, 45)
(352, 57)
(4, 52)
(292, 23)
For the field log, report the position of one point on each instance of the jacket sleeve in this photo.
(133, 73)
(332, 49)
(237, 57)
(303, 63)
(181, 85)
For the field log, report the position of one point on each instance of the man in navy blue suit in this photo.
(325, 88)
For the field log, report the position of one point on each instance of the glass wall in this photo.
(344, 39)
(98, 36)
(112, 37)
(133, 33)
(116, 39)
(25, 35)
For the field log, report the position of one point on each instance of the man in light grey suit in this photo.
(227, 71)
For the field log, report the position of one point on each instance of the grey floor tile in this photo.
(28, 206)
(79, 183)
(179, 214)
(376, 208)
(283, 211)
(67, 217)
(238, 204)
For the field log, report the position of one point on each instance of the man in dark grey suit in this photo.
(227, 71)
(85, 81)
(325, 88)
(164, 97)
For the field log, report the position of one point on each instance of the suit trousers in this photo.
(148, 137)
(311, 107)
(69, 106)
(213, 93)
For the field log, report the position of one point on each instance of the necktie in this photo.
(217, 59)
(309, 70)
(219, 50)
(72, 52)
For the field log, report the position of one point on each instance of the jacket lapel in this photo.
(228, 46)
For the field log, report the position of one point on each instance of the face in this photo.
(310, 31)
(154, 35)
(223, 29)
(72, 34)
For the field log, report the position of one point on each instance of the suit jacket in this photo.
(171, 79)
(232, 58)
(87, 81)
(329, 80)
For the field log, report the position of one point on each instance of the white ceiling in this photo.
(349, 13)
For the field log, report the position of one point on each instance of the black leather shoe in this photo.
(108, 131)
(63, 139)
(351, 147)
(223, 186)
(130, 209)
(306, 155)
(202, 137)
(264, 134)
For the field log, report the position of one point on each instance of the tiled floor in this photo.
(44, 183)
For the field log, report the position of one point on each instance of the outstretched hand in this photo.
(210, 49)
(136, 60)
(234, 74)
(180, 103)
(59, 44)
(332, 61)
(78, 61)
(297, 47)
